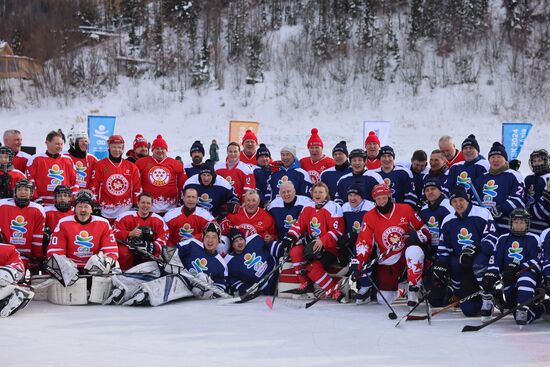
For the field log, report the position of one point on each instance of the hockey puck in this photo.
(392, 316)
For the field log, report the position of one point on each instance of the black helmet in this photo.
(84, 196)
(212, 227)
(523, 215)
(357, 153)
(543, 168)
(22, 202)
(60, 190)
(9, 153)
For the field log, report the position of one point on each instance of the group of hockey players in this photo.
(148, 229)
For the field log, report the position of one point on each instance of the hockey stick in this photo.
(502, 315)
(181, 270)
(392, 315)
(270, 300)
(476, 195)
(449, 306)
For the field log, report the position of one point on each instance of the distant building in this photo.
(13, 66)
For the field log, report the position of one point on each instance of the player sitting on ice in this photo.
(400, 236)
(12, 297)
(324, 224)
(516, 263)
(249, 260)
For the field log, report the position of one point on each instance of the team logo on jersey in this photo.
(315, 177)
(159, 176)
(18, 226)
(356, 228)
(433, 226)
(251, 260)
(80, 173)
(230, 180)
(289, 221)
(282, 180)
(84, 242)
(200, 265)
(117, 184)
(392, 237)
(515, 251)
(489, 193)
(388, 183)
(315, 227)
(464, 179)
(464, 237)
(56, 174)
(205, 201)
(247, 229)
(186, 232)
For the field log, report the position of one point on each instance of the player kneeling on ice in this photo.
(467, 240)
(12, 297)
(324, 224)
(516, 263)
(401, 238)
(81, 243)
(249, 259)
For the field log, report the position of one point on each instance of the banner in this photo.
(513, 137)
(238, 128)
(99, 130)
(381, 129)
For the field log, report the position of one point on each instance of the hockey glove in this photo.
(9, 275)
(467, 256)
(546, 199)
(287, 242)
(509, 276)
(96, 209)
(353, 271)
(489, 281)
(496, 211)
(309, 251)
(439, 275)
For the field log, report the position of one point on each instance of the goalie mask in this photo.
(23, 192)
(75, 134)
(538, 162)
(62, 198)
(84, 196)
(6, 158)
(520, 221)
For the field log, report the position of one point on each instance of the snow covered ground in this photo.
(194, 332)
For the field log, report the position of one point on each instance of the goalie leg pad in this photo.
(166, 289)
(13, 299)
(75, 294)
(100, 290)
(125, 286)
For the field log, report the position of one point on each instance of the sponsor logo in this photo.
(56, 174)
(80, 173)
(464, 179)
(289, 221)
(230, 180)
(19, 228)
(251, 260)
(315, 227)
(282, 180)
(489, 193)
(515, 251)
(84, 242)
(356, 228)
(433, 226)
(200, 265)
(205, 202)
(186, 232)
(464, 237)
(117, 185)
(390, 184)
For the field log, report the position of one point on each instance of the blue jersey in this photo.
(442, 178)
(192, 170)
(196, 260)
(367, 180)
(540, 212)
(214, 196)
(475, 227)
(262, 176)
(401, 184)
(299, 177)
(466, 173)
(285, 215)
(330, 177)
(353, 217)
(256, 260)
(545, 244)
(524, 250)
(433, 216)
(505, 190)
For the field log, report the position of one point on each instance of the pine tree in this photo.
(238, 12)
(201, 69)
(416, 23)
(254, 65)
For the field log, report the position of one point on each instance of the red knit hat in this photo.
(159, 142)
(249, 135)
(372, 138)
(379, 190)
(314, 139)
(140, 141)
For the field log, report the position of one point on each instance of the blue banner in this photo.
(99, 130)
(513, 137)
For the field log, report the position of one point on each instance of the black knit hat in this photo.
(197, 147)
(470, 141)
(386, 149)
(356, 188)
(207, 167)
(459, 191)
(341, 147)
(432, 182)
(235, 234)
(263, 151)
(498, 149)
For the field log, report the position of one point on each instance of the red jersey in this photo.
(373, 164)
(9, 256)
(386, 231)
(53, 216)
(20, 161)
(116, 186)
(23, 228)
(164, 180)
(241, 177)
(261, 223)
(84, 168)
(315, 169)
(459, 157)
(182, 227)
(126, 222)
(15, 175)
(326, 223)
(248, 160)
(47, 173)
(80, 241)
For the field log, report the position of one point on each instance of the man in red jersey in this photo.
(8, 174)
(50, 169)
(12, 297)
(453, 155)
(115, 182)
(83, 161)
(62, 208)
(161, 176)
(250, 144)
(317, 162)
(238, 174)
(140, 149)
(395, 228)
(142, 228)
(372, 148)
(13, 140)
(22, 224)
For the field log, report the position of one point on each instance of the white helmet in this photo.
(76, 133)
